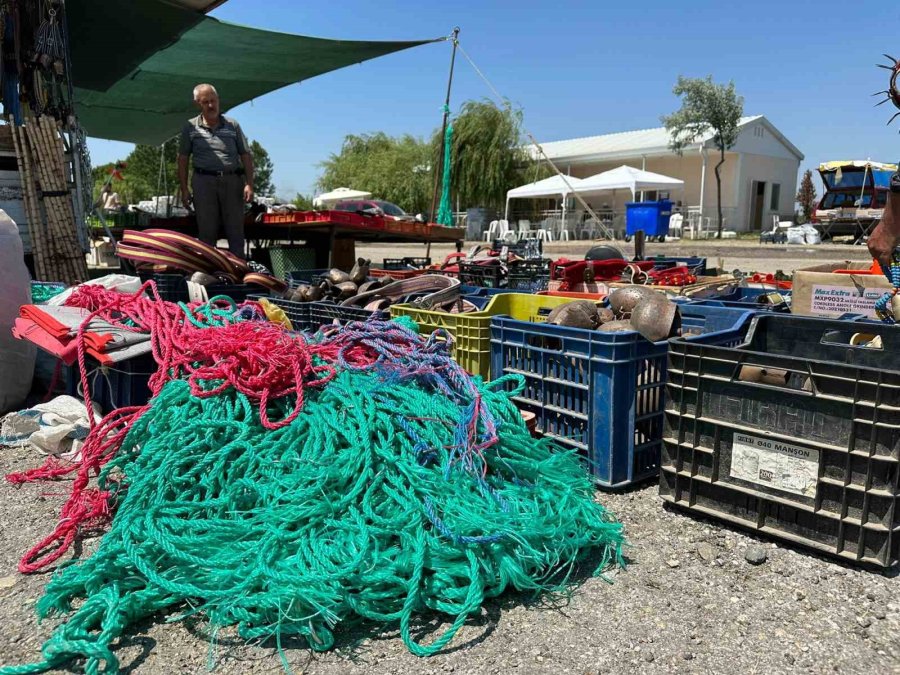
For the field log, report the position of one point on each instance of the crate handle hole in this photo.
(775, 378)
(544, 342)
(860, 340)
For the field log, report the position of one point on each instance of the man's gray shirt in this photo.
(214, 149)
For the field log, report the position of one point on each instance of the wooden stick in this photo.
(39, 168)
(35, 225)
(63, 216)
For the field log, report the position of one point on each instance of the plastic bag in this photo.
(122, 283)
(57, 427)
(16, 356)
(811, 235)
(795, 235)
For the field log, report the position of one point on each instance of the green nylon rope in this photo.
(445, 210)
(349, 513)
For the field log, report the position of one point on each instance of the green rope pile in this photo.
(354, 511)
(445, 211)
(42, 291)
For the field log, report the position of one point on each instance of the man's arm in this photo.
(886, 236)
(247, 161)
(183, 180)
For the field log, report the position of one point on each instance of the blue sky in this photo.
(577, 69)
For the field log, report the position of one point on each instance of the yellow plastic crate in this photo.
(472, 331)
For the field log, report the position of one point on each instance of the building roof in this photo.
(626, 144)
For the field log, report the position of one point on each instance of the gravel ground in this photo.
(734, 253)
(689, 601)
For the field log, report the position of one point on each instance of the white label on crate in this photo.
(837, 300)
(777, 465)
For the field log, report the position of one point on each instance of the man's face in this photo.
(208, 103)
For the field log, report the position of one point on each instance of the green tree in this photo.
(706, 107)
(806, 196)
(146, 176)
(394, 169)
(303, 202)
(487, 155)
(262, 170)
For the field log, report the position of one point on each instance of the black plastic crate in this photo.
(297, 312)
(326, 313)
(528, 275)
(237, 292)
(527, 248)
(170, 287)
(484, 275)
(405, 263)
(115, 386)
(794, 433)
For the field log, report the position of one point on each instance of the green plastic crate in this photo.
(472, 331)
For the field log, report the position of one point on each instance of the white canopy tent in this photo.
(627, 178)
(341, 193)
(555, 186)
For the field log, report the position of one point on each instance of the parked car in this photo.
(855, 196)
(382, 208)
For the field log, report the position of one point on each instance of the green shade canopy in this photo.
(109, 40)
(151, 102)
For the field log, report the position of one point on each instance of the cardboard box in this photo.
(819, 291)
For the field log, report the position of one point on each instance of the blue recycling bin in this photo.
(651, 217)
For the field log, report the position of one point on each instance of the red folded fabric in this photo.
(46, 322)
(65, 349)
(61, 331)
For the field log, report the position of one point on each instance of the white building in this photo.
(759, 177)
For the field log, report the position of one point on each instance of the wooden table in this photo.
(333, 234)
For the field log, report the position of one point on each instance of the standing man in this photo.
(223, 171)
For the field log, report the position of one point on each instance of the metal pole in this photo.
(702, 187)
(440, 164)
(438, 168)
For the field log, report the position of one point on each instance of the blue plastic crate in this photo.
(481, 291)
(602, 394)
(324, 313)
(746, 299)
(695, 264)
(116, 386)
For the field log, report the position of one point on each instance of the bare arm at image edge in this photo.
(886, 236)
(247, 160)
(183, 181)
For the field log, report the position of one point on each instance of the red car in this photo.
(377, 206)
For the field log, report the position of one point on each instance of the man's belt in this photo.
(226, 172)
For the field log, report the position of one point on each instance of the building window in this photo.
(776, 197)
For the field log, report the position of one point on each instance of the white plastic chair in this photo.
(491, 232)
(546, 231)
(502, 229)
(524, 230)
(676, 221)
(562, 231)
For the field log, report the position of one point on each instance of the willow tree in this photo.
(706, 107)
(487, 156)
(396, 169)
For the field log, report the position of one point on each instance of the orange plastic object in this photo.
(769, 279)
